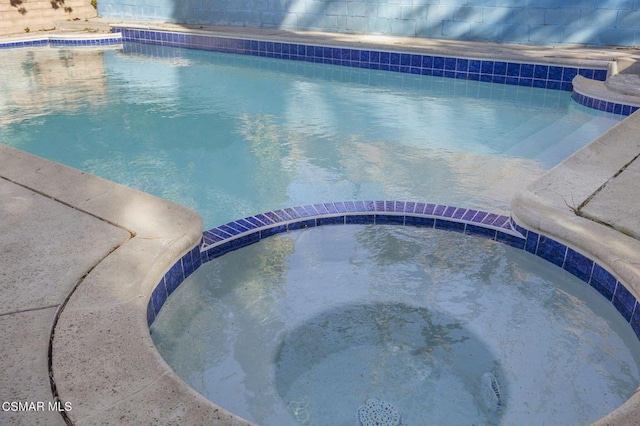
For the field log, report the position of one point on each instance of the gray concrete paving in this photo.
(81, 255)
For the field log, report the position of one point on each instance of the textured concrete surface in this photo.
(116, 243)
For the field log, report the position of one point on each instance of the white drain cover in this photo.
(378, 413)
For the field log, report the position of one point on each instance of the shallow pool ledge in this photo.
(102, 358)
(591, 203)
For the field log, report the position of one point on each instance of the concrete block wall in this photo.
(593, 22)
(37, 15)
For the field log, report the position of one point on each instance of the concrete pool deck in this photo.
(82, 315)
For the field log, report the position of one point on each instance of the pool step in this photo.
(556, 142)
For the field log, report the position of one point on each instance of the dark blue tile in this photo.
(405, 59)
(374, 57)
(555, 73)
(360, 219)
(449, 211)
(188, 263)
(336, 220)
(569, 73)
(151, 313)
(500, 221)
(462, 65)
(449, 64)
(578, 265)
(226, 228)
(416, 61)
(510, 240)
(419, 208)
(469, 214)
(526, 82)
(340, 207)
(532, 242)
(158, 297)
(514, 81)
(600, 75)
(173, 278)
(301, 211)
(264, 233)
(479, 217)
(480, 231)
(603, 281)
(490, 218)
(384, 58)
(424, 222)
(624, 301)
(459, 213)
(365, 56)
(237, 227)
(330, 208)
(500, 68)
(439, 209)
(429, 208)
(438, 63)
(449, 225)
(427, 61)
(394, 59)
(385, 219)
(585, 72)
(526, 70)
(551, 250)
(486, 67)
(410, 207)
(513, 69)
(304, 224)
(292, 213)
(475, 66)
(360, 206)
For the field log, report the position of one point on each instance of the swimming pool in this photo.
(232, 135)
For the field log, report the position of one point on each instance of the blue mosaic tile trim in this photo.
(586, 270)
(515, 73)
(602, 105)
(234, 235)
(98, 40)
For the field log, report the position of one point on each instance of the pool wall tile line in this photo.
(514, 73)
(65, 40)
(603, 105)
(231, 236)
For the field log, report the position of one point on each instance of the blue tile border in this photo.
(243, 232)
(65, 40)
(602, 105)
(545, 76)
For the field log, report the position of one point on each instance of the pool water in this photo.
(231, 136)
(307, 327)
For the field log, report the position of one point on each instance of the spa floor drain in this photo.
(378, 413)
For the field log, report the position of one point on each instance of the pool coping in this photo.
(138, 387)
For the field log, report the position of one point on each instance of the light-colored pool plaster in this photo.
(92, 251)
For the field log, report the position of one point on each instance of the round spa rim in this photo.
(240, 233)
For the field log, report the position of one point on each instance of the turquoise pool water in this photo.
(232, 136)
